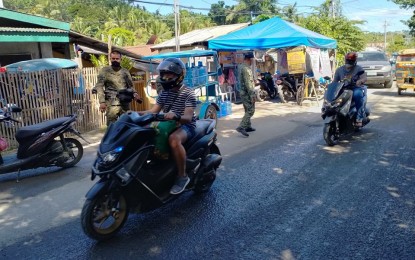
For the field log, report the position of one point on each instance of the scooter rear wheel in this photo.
(329, 134)
(75, 153)
(102, 217)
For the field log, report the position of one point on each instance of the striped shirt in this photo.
(185, 99)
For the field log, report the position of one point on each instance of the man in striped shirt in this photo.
(177, 102)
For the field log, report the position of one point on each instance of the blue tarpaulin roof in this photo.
(271, 33)
(41, 64)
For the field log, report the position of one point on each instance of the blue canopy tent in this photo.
(271, 33)
(41, 64)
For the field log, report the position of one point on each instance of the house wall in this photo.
(35, 49)
(182, 48)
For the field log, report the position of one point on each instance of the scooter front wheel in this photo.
(102, 217)
(329, 134)
(300, 95)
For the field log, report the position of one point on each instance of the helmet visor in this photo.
(169, 66)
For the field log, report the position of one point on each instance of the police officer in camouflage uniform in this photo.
(112, 79)
(247, 93)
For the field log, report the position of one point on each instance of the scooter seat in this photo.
(36, 129)
(203, 127)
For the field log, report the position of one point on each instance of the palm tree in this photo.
(290, 13)
(79, 25)
(160, 29)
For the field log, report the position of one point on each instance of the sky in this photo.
(375, 12)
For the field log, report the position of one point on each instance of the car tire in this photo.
(388, 84)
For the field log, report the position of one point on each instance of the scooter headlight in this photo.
(110, 157)
(337, 102)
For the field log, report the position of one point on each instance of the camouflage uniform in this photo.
(247, 93)
(108, 84)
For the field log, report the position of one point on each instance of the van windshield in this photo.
(371, 56)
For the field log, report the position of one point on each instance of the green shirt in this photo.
(246, 80)
(109, 79)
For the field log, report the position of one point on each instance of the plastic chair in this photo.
(227, 93)
(231, 91)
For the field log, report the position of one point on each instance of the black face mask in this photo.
(115, 64)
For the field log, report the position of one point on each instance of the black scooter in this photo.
(133, 178)
(42, 145)
(287, 89)
(267, 87)
(339, 112)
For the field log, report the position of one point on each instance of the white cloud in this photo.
(383, 12)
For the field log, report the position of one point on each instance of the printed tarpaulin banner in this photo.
(296, 61)
(314, 55)
(325, 63)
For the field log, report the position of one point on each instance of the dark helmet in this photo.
(171, 65)
(351, 58)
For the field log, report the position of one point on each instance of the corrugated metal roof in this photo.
(201, 35)
(11, 18)
(40, 30)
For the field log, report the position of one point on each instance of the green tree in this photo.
(121, 37)
(126, 63)
(160, 29)
(218, 13)
(246, 10)
(330, 8)
(81, 26)
(290, 13)
(408, 4)
(100, 61)
(349, 37)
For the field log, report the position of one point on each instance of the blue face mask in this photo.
(349, 66)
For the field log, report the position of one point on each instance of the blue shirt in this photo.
(343, 73)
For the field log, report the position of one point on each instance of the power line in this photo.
(181, 6)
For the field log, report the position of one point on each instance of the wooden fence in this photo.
(48, 95)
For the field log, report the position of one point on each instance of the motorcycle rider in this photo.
(347, 71)
(178, 102)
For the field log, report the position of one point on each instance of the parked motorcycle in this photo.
(42, 144)
(287, 89)
(267, 87)
(133, 178)
(339, 112)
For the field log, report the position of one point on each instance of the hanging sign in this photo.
(226, 57)
(314, 55)
(296, 61)
(325, 63)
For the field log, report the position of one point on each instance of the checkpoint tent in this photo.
(276, 34)
(271, 33)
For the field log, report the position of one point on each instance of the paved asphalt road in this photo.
(280, 194)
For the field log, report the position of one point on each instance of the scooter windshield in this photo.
(333, 91)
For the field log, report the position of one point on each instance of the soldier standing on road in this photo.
(247, 93)
(112, 79)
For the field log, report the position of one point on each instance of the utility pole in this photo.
(177, 24)
(384, 28)
(333, 8)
